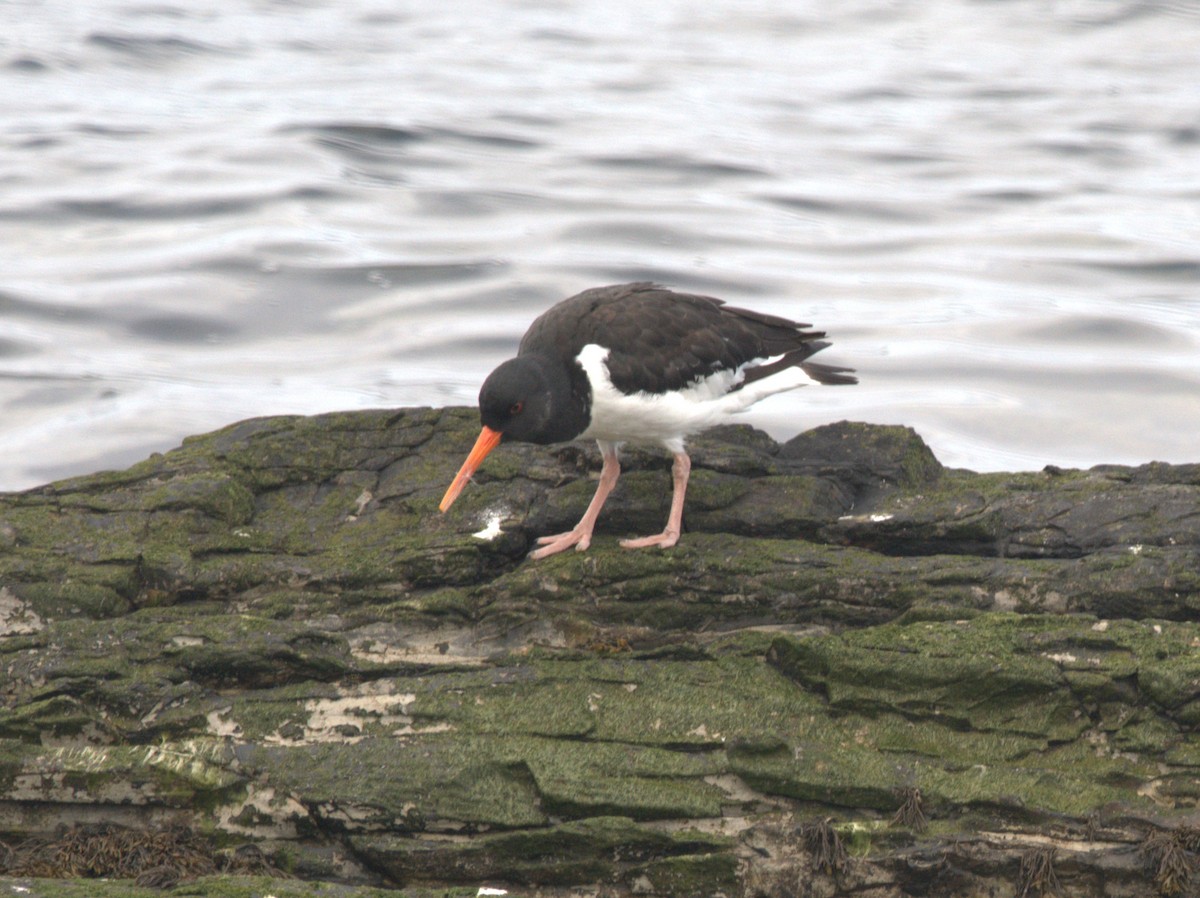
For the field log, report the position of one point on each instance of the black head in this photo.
(529, 400)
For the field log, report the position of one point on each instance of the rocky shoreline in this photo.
(859, 673)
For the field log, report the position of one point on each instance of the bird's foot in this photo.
(560, 542)
(663, 540)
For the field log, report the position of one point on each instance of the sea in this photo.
(215, 211)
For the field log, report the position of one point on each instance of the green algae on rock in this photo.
(271, 636)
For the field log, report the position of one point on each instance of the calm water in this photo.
(214, 211)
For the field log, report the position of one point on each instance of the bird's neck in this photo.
(570, 399)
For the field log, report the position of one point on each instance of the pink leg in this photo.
(670, 536)
(581, 536)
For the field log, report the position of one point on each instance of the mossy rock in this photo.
(592, 850)
(271, 633)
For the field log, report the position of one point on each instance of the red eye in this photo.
(515, 408)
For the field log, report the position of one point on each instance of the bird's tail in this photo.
(798, 358)
(830, 375)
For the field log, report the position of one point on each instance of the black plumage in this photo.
(660, 340)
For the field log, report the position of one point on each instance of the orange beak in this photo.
(488, 440)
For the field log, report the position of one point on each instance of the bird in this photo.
(638, 363)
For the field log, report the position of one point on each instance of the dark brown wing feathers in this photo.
(660, 340)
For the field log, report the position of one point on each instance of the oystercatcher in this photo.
(638, 363)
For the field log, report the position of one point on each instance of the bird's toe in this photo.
(551, 545)
(663, 540)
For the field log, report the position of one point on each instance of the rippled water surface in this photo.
(214, 211)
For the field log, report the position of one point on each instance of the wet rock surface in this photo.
(858, 673)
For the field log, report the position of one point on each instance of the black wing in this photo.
(660, 340)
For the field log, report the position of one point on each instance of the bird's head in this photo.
(514, 404)
(516, 400)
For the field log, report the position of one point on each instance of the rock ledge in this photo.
(859, 673)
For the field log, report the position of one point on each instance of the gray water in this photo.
(215, 211)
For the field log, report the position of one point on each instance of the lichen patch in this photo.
(16, 617)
